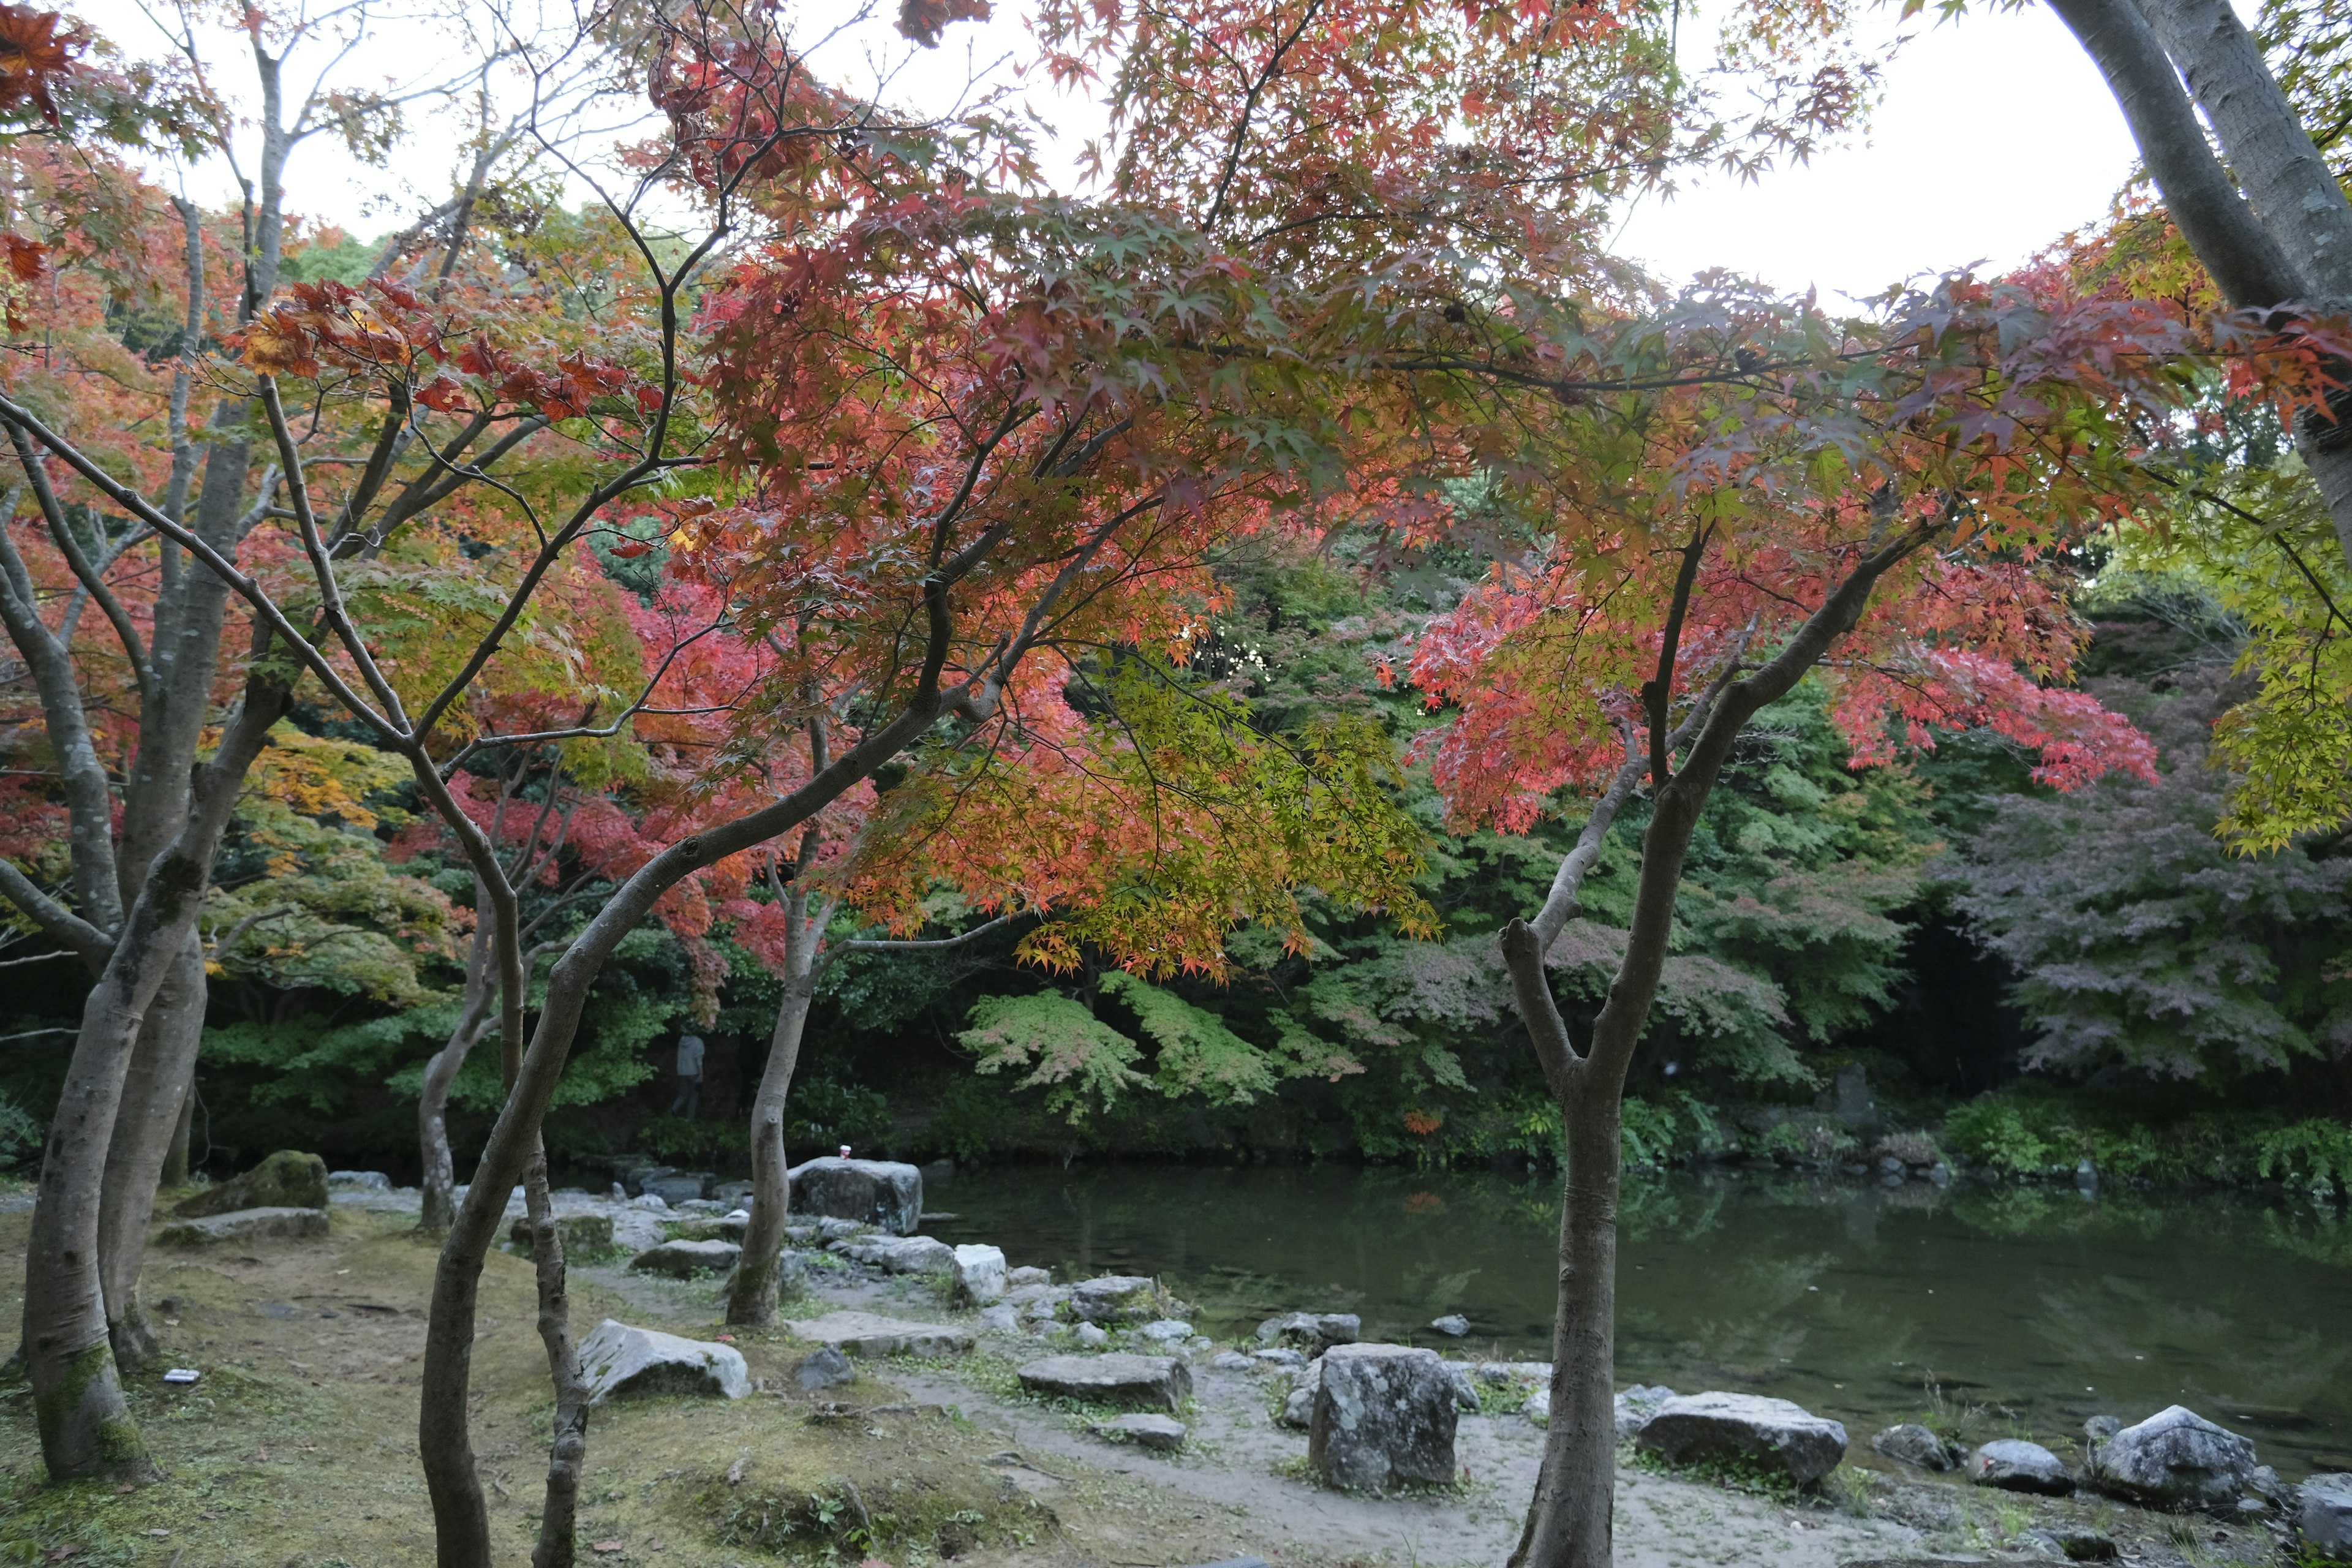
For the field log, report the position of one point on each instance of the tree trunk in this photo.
(154, 1090)
(175, 1160)
(85, 1428)
(557, 1539)
(1572, 1521)
(439, 1181)
(751, 1300)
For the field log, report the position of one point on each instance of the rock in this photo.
(1515, 1371)
(1118, 1299)
(871, 1334)
(883, 1194)
(830, 1230)
(677, 1188)
(939, 1174)
(370, 1180)
(286, 1180)
(1155, 1380)
(734, 1195)
(1770, 1435)
(1279, 1360)
(2176, 1459)
(979, 1273)
(1004, 1317)
(1163, 1434)
(1383, 1416)
(246, 1225)
(652, 1202)
(683, 1260)
(2081, 1543)
(1913, 1444)
(1637, 1404)
(1315, 1331)
(2015, 1466)
(1454, 1325)
(1538, 1407)
(1231, 1360)
(699, 1205)
(1027, 1275)
(1165, 1331)
(579, 1235)
(1094, 1336)
(2099, 1428)
(2323, 1516)
(825, 1367)
(900, 1254)
(618, 1360)
(1465, 1389)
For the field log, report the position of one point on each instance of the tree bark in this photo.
(85, 1426)
(154, 1089)
(751, 1299)
(558, 1541)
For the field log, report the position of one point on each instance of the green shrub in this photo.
(1808, 1140)
(20, 1134)
(2315, 1155)
(2017, 1134)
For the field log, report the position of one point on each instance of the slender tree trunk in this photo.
(751, 1300)
(154, 1089)
(175, 1160)
(439, 1181)
(1572, 1521)
(85, 1428)
(557, 1539)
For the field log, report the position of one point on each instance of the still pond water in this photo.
(2037, 1306)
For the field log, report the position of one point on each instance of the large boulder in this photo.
(2014, 1465)
(978, 1275)
(286, 1180)
(870, 1334)
(1745, 1429)
(1118, 1299)
(883, 1194)
(2323, 1517)
(2177, 1459)
(246, 1224)
(684, 1259)
(676, 1187)
(1153, 1380)
(1383, 1416)
(1912, 1443)
(620, 1361)
(1313, 1332)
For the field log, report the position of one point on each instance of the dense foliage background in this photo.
(1983, 949)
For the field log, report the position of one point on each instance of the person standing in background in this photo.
(690, 1077)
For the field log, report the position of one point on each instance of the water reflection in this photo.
(2039, 1306)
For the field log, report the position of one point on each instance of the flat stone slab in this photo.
(1158, 1380)
(1163, 1434)
(246, 1225)
(620, 1361)
(899, 1253)
(1771, 1435)
(871, 1334)
(683, 1260)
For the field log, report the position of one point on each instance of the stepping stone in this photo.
(1162, 1434)
(1118, 1299)
(683, 1260)
(900, 1254)
(871, 1334)
(978, 1275)
(1160, 1380)
(246, 1225)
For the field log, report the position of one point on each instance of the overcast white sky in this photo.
(1995, 137)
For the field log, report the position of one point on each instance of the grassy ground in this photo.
(297, 1448)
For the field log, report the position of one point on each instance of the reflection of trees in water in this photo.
(2314, 1232)
(1662, 1206)
(1436, 1290)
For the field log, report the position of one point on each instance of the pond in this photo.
(2028, 1309)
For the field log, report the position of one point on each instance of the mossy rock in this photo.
(585, 1236)
(286, 1179)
